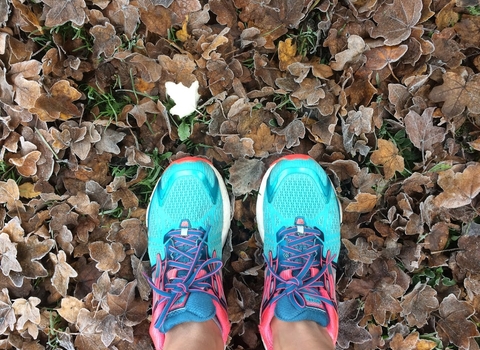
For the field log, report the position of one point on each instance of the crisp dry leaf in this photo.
(29, 252)
(63, 272)
(395, 21)
(27, 190)
(8, 255)
(240, 301)
(7, 313)
(239, 147)
(15, 230)
(28, 311)
(185, 98)
(60, 12)
(287, 53)
(421, 130)
(383, 301)
(459, 189)
(132, 232)
(379, 57)
(263, 140)
(419, 304)
(453, 324)
(387, 155)
(109, 140)
(360, 251)
(365, 202)
(246, 175)
(354, 53)
(125, 306)
(27, 165)
(70, 308)
(107, 256)
(349, 330)
(105, 40)
(58, 104)
(9, 193)
(459, 90)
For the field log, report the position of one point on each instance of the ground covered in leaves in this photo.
(384, 94)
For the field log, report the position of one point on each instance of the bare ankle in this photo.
(194, 335)
(305, 335)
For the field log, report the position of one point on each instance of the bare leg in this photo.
(194, 336)
(305, 335)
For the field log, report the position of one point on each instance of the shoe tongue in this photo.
(289, 311)
(198, 307)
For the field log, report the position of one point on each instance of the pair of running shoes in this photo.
(188, 220)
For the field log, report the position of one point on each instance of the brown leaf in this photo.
(379, 57)
(28, 311)
(419, 304)
(109, 140)
(8, 255)
(459, 189)
(447, 16)
(123, 14)
(360, 251)
(26, 165)
(58, 104)
(365, 202)
(132, 232)
(241, 302)
(10, 194)
(105, 40)
(87, 323)
(421, 130)
(7, 313)
(383, 301)
(124, 304)
(70, 308)
(459, 90)
(60, 12)
(263, 140)
(349, 330)
(387, 155)
(293, 132)
(63, 272)
(396, 20)
(453, 325)
(87, 276)
(353, 54)
(238, 147)
(31, 250)
(107, 256)
(140, 270)
(246, 175)
(468, 30)
(468, 258)
(157, 19)
(409, 343)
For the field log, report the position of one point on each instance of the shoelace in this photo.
(299, 255)
(186, 257)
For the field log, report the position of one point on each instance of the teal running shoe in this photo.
(298, 217)
(188, 220)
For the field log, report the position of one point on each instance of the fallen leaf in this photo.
(459, 189)
(27, 190)
(453, 324)
(239, 147)
(131, 311)
(379, 57)
(28, 311)
(287, 53)
(246, 175)
(9, 194)
(349, 331)
(29, 252)
(354, 53)
(419, 304)
(263, 140)
(7, 313)
(63, 272)
(365, 202)
(8, 255)
(109, 140)
(58, 13)
(105, 40)
(107, 256)
(70, 308)
(395, 21)
(26, 165)
(58, 104)
(459, 90)
(421, 130)
(387, 155)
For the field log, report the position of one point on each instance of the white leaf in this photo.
(185, 98)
